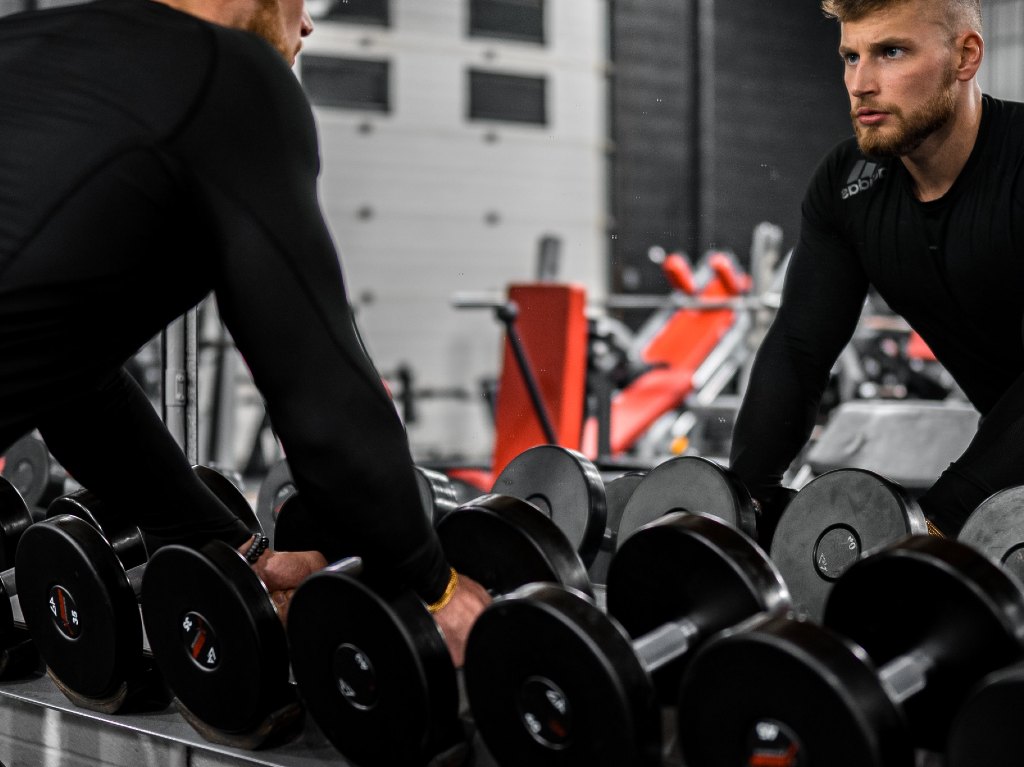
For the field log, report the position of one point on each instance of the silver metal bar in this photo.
(906, 675)
(180, 411)
(665, 644)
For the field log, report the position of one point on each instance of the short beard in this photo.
(911, 130)
(267, 24)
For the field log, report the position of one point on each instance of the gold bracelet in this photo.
(449, 592)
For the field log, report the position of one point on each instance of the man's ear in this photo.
(971, 49)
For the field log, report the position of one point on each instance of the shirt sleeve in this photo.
(113, 424)
(251, 151)
(823, 294)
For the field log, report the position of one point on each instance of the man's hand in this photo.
(283, 571)
(282, 600)
(458, 616)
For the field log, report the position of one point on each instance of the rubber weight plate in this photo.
(215, 635)
(564, 485)
(436, 492)
(996, 529)
(987, 731)
(18, 656)
(276, 488)
(504, 542)
(126, 539)
(940, 595)
(30, 468)
(372, 668)
(14, 520)
(691, 566)
(548, 684)
(617, 494)
(831, 523)
(783, 692)
(230, 495)
(691, 484)
(78, 605)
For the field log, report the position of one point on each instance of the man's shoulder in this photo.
(846, 172)
(1005, 118)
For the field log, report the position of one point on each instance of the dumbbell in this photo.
(842, 514)
(996, 529)
(371, 663)
(987, 730)
(562, 483)
(567, 487)
(275, 489)
(28, 465)
(907, 631)
(618, 491)
(18, 655)
(552, 680)
(296, 530)
(79, 575)
(689, 483)
(831, 523)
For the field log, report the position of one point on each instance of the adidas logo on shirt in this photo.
(863, 177)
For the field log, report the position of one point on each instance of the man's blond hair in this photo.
(961, 14)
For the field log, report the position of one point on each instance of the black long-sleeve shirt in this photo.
(147, 158)
(953, 268)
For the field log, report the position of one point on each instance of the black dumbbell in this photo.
(275, 489)
(617, 494)
(18, 655)
(908, 630)
(842, 514)
(693, 484)
(295, 529)
(996, 529)
(28, 465)
(562, 483)
(831, 523)
(987, 730)
(370, 661)
(79, 575)
(567, 487)
(552, 680)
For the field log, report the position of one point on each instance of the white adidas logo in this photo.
(863, 177)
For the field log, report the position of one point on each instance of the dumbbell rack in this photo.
(38, 725)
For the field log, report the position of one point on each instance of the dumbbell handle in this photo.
(905, 675)
(665, 643)
(135, 577)
(10, 591)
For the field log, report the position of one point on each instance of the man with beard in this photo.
(150, 153)
(925, 203)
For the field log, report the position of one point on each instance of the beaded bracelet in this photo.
(449, 592)
(260, 543)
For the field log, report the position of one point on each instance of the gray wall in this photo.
(721, 113)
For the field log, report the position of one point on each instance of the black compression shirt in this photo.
(147, 158)
(952, 268)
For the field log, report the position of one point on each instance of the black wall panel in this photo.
(721, 110)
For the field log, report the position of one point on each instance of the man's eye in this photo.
(851, 59)
(893, 53)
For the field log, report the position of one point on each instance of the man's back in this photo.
(131, 135)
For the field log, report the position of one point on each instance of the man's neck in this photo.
(936, 164)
